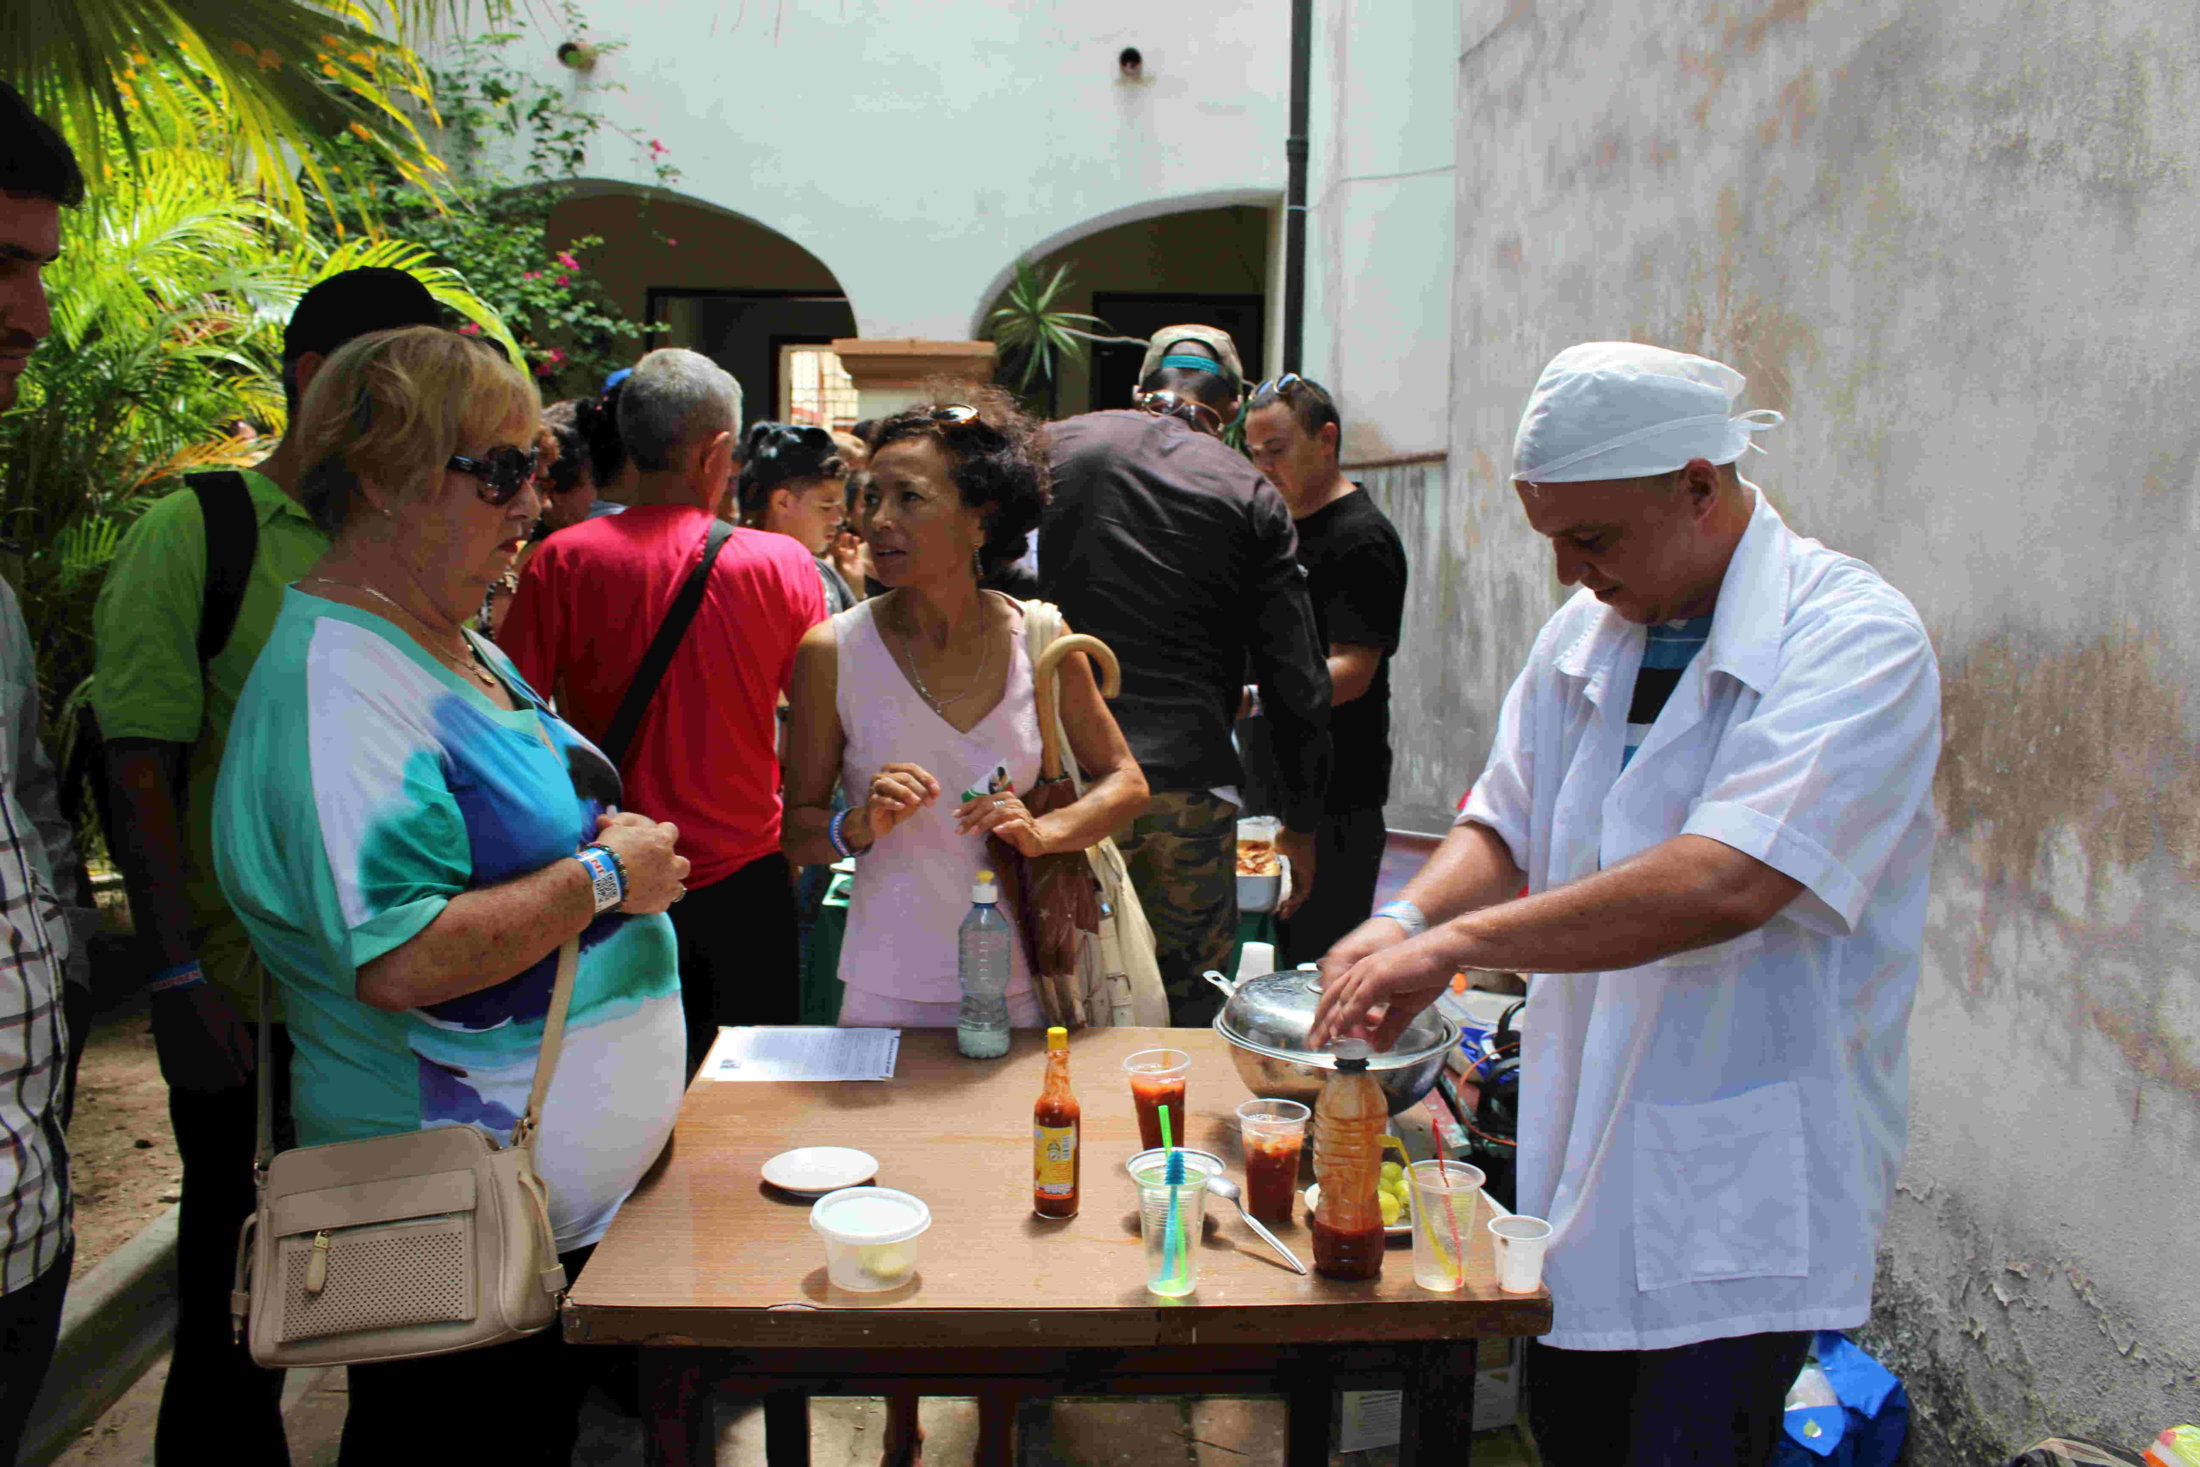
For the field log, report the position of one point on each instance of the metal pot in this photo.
(1266, 1022)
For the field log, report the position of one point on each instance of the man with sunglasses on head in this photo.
(1167, 545)
(704, 751)
(188, 602)
(1356, 574)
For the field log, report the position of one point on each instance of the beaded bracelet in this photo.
(185, 974)
(834, 833)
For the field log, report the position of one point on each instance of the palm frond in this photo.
(284, 74)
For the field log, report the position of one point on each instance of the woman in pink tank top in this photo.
(912, 698)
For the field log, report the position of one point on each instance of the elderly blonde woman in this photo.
(409, 853)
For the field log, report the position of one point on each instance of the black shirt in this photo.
(1356, 573)
(1171, 548)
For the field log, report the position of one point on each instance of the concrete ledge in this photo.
(116, 1321)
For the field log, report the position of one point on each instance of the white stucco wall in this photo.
(1380, 220)
(918, 146)
(1956, 244)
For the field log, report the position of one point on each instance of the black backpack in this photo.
(232, 540)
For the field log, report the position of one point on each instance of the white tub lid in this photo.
(870, 1215)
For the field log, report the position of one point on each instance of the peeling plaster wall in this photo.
(1957, 244)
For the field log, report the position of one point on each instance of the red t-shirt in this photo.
(706, 756)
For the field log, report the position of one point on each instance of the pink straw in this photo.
(1451, 1215)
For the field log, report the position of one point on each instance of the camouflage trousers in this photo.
(1182, 855)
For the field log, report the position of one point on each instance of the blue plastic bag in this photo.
(1866, 1424)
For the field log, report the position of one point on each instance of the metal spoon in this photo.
(1223, 1187)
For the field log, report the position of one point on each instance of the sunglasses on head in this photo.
(1168, 404)
(1278, 385)
(958, 417)
(503, 472)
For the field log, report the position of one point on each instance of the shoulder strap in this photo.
(670, 632)
(232, 540)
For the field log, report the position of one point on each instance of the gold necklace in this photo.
(977, 681)
(473, 667)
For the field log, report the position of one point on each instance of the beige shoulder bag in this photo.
(394, 1247)
(1118, 973)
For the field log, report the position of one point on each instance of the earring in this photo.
(977, 564)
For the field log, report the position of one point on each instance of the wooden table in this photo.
(721, 1278)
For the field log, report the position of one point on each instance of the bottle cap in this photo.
(985, 890)
(1057, 1037)
(1352, 1055)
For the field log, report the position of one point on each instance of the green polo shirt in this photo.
(146, 678)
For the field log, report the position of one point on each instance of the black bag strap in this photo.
(232, 540)
(670, 633)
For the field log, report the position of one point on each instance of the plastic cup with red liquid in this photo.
(1157, 1080)
(1274, 1134)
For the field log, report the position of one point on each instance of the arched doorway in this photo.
(1208, 265)
(741, 293)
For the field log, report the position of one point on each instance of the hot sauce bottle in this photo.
(1054, 1133)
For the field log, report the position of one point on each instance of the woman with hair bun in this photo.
(926, 690)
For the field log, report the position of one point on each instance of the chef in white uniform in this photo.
(1714, 779)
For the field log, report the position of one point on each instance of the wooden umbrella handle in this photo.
(1043, 673)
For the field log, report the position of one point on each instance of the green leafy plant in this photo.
(168, 306)
(1036, 335)
(512, 142)
(285, 75)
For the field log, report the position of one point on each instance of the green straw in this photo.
(1174, 1176)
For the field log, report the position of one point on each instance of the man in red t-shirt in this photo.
(705, 755)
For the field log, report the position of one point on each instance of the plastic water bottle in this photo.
(1349, 1119)
(982, 961)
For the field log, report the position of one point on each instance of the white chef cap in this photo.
(1621, 410)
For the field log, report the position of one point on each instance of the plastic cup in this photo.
(1274, 1133)
(1443, 1221)
(870, 1236)
(1172, 1271)
(1157, 1079)
(1520, 1244)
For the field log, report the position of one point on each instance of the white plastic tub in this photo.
(870, 1236)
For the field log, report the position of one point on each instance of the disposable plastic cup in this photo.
(1157, 1079)
(1520, 1244)
(1169, 1218)
(870, 1236)
(1274, 1134)
(1443, 1221)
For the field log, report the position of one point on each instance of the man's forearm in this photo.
(1688, 893)
(1471, 869)
(149, 844)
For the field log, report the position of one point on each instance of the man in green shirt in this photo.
(165, 718)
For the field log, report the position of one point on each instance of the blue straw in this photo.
(1174, 1176)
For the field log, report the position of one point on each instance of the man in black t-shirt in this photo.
(1356, 574)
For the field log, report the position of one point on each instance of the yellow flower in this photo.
(359, 131)
(329, 40)
(328, 68)
(360, 58)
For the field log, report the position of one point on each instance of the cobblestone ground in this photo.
(1168, 1431)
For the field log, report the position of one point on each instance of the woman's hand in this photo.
(1004, 815)
(646, 848)
(897, 792)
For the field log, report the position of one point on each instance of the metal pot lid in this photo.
(1272, 1014)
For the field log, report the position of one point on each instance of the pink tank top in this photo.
(912, 888)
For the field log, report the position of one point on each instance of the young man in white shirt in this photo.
(1714, 776)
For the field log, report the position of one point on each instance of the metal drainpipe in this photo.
(1294, 204)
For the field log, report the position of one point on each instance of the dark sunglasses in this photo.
(1278, 385)
(961, 417)
(1168, 404)
(503, 472)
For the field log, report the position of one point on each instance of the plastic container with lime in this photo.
(870, 1236)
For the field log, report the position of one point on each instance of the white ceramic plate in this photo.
(1395, 1230)
(812, 1171)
